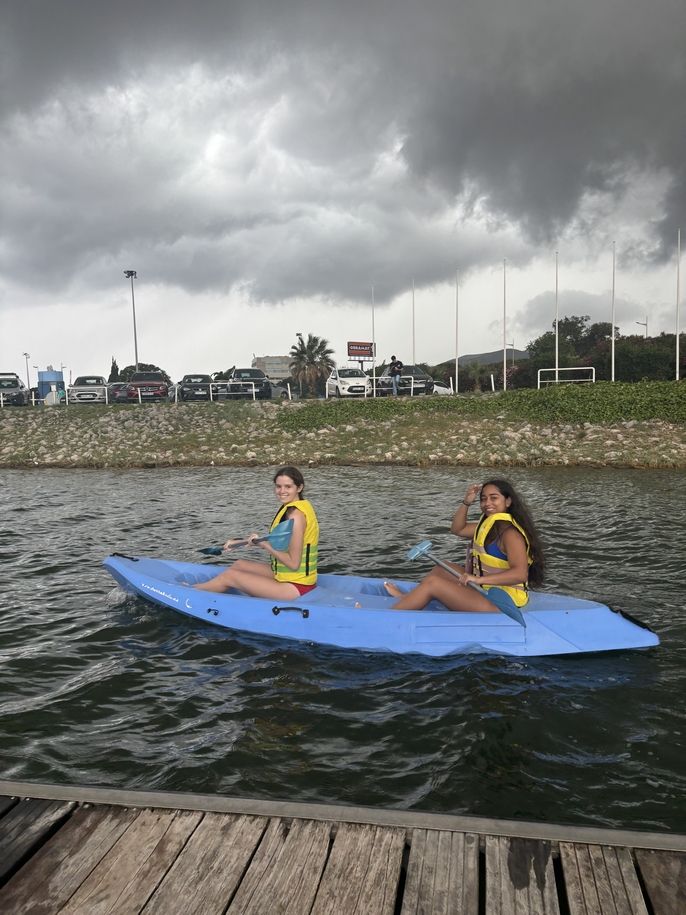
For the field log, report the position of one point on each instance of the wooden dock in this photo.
(90, 851)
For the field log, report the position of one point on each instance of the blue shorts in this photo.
(500, 598)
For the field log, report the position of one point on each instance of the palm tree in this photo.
(311, 362)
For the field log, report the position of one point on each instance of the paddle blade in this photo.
(514, 613)
(421, 549)
(212, 551)
(280, 537)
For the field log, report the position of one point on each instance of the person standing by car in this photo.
(395, 370)
(292, 572)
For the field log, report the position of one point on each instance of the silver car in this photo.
(88, 389)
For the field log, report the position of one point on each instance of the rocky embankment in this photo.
(235, 434)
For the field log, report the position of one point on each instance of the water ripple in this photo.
(102, 688)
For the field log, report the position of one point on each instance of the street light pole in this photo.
(644, 324)
(27, 356)
(132, 275)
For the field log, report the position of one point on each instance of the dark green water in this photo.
(101, 689)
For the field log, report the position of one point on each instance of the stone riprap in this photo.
(234, 434)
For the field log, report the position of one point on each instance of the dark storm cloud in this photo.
(303, 148)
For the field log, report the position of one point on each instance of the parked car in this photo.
(440, 388)
(88, 389)
(281, 392)
(151, 385)
(12, 390)
(192, 387)
(252, 383)
(117, 392)
(347, 382)
(414, 380)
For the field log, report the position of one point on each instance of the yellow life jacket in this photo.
(306, 573)
(483, 563)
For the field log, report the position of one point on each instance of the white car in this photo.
(440, 388)
(346, 382)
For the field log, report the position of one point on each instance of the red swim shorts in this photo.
(303, 589)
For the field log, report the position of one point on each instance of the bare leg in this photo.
(440, 585)
(395, 591)
(252, 578)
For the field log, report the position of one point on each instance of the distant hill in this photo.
(494, 358)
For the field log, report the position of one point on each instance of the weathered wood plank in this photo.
(48, 880)
(520, 877)
(664, 877)
(206, 874)
(403, 819)
(442, 874)
(6, 803)
(284, 875)
(132, 869)
(600, 880)
(362, 873)
(25, 826)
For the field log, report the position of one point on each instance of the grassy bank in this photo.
(595, 425)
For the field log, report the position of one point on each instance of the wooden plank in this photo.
(48, 880)
(664, 877)
(519, 877)
(24, 827)
(129, 873)
(284, 875)
(6, 803)
(362, 873)
(206, 874)
(404, 819)
(600, 880)
(442, 874)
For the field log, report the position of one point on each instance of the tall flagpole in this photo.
(504, 324)
(557, 320)
(373, 349)
(678, 296)
(414, 362)
(457, 332)
(612, 336)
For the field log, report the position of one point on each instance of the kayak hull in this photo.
(350, 611)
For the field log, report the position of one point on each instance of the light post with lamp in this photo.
(132, 275)
(644, 324)
(513, 352)
(27, 356)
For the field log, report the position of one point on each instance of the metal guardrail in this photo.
(577, 368)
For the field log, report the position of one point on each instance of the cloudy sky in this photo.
(263, 164)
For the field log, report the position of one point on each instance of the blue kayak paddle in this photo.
(279, 538)
(424, 549)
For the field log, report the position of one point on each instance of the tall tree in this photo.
(129, 370)
(114, 371)
(311, 362)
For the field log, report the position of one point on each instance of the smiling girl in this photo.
(504, 558)
(291, 572)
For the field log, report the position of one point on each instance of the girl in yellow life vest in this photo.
(505, 556)
(291, 572)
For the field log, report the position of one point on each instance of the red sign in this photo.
(357, 350)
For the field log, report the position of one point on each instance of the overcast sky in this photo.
(263, 163)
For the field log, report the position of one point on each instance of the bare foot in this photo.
(392, 589)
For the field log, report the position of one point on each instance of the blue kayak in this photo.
(349, 611)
